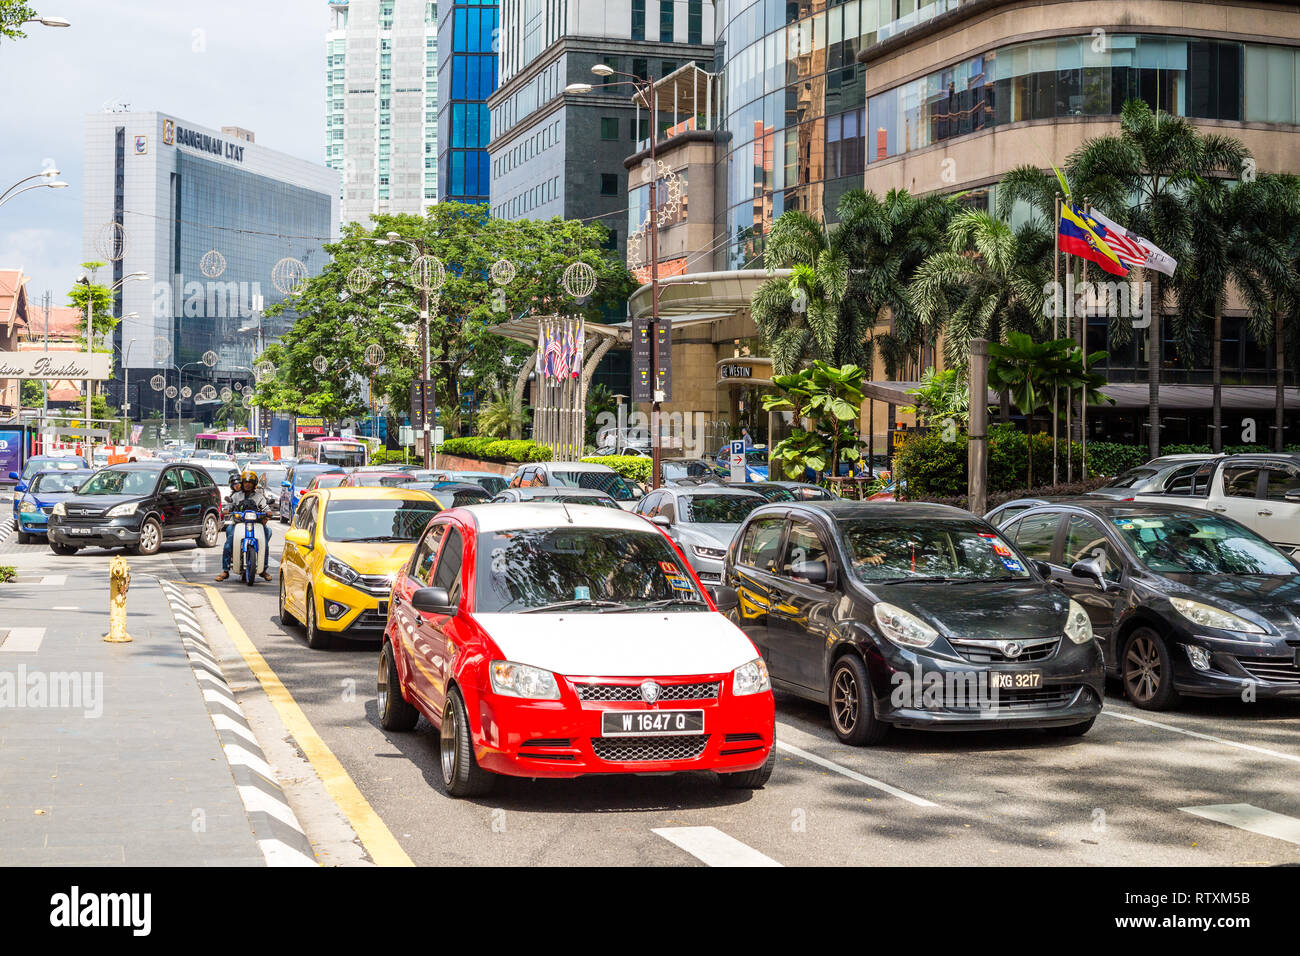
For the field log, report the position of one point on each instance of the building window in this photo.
(638, 19)
(609, 184)
(695, 21)
(665, 21)
(609, 127)
(640, 67)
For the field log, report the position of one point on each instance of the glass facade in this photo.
(470, 77)
(254, 222)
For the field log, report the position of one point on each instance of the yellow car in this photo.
(341, 555)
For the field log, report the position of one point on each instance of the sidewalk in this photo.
(113, 753)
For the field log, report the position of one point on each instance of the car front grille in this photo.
(631, 749)
(989, 652)
(370, 619)
(1278, 670)
(707, 690)
(380, 585)
(1041, 698)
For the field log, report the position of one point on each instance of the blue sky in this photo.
(258, 64)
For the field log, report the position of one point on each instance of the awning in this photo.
(1193, 397)
(715, 295)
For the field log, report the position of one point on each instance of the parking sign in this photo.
(736, 458)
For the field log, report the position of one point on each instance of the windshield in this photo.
(677, 470)
(393, 519)
(719, 509)
(329, 481)
(607, 481)
(461, 496)
(303, 477)
(773, 492)
(342, 457)
(1191, 544)
(1132, 478)
(492, 484)
(883, 550)
(219, 475)
(121, 483)
(540, 567)
(52, 482)
(596, 501)
(47, 464)
(271, 478)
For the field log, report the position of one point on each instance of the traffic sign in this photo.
(736, 459)
(423, 401)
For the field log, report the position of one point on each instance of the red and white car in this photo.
(551, 640)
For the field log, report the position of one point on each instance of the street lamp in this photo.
(46, 174)
(645, 88)
(50, 21)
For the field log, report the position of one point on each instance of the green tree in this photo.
(940, 397)
(496, 416)
(1027, 371)
(337, 322)
(82, 297)
(826, 402)
(33, 393)
(13, 14)
(1140, 178)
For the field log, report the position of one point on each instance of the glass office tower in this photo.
(467, 74)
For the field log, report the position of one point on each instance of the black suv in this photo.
(138, 506)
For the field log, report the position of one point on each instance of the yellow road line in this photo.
(375, 835)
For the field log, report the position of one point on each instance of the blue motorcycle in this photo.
(245, 557)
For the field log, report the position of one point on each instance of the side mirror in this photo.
(299, 537)
(725, 598)
(814, 572)
(433, 601)
(662, 521)
(1292, 495)
(637, 492)
(284, 484)
(1043, 568)
(13, 476)
(1090, 568)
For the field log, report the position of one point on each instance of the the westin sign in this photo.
(55, 365)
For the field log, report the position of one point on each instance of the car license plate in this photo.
(642, 723)
(81, 530)
(1015, 680)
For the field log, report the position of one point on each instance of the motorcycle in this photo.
(244, 559)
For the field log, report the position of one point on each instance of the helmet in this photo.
(249, 475)
(235, 480)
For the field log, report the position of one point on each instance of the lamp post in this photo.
(46, 174)
(644, 87)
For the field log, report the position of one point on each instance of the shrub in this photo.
(631, 467)
(1002, 497)
(496, 449)
(1112, 458)
(7, 573)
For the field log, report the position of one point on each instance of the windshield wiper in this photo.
(564, 605)
(376, 537)
(666, 602)
(917, 579)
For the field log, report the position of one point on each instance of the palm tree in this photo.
(987, 283)
(1140, 178)
(1237, 238)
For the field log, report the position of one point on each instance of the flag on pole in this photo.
(552, 352)
(1079, 236)
(1132, 249)
(540, 366)
(579, 347)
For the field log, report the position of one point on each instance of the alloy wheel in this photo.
(845, 701)
(383, 682)
(149, 537)
(1142, 671)
(448, 743)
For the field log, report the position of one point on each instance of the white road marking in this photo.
(236, 754)
(713, 847)
(854, 775)
(1192, 733)
(278, 853)
(65, 607)
(1243, 816)
(55, 580)
(222, 722)
(255, 800)
(22, 640)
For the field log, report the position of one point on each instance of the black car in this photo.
(138, 506)
(1182, 601)
(910, 615)
(452, 494)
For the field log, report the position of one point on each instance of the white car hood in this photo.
(627, 644)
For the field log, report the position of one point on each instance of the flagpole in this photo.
(1083, 391)
(1056, 334)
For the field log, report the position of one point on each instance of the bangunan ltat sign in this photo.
(56, 365)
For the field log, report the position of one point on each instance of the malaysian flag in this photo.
(579, 349)
(554, 353)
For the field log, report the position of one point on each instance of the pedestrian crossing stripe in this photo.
(1253, 819)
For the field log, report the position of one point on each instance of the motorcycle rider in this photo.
(235, 487)
(247, 498)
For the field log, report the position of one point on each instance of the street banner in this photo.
(56, 365)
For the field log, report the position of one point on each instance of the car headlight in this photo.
(1078, 626)
(121, 511)
(1207, 616)
(716, 554)
(339, 571)
(750, 678)
(903, 627)
(521, 680)
(59, 509)
(27, 507)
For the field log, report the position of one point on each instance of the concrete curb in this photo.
(275, 826)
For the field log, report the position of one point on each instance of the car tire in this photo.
(286, 618)
(208, 536)
(852, 704)
(1147, 671)
(461, 774)
(1073, 730)
(750, 779)
(150, 538)
(317, 639)
(25, 538)
(63, 549)
(394, 711)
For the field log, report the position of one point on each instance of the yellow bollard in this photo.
(119, 579)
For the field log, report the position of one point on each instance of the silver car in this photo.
(702, 520)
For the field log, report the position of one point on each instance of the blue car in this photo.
(39, 463)
(755, 462)
(44, 490)
(295, 483)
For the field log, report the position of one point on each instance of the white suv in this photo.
(578, 474)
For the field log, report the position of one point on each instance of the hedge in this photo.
(1002, 497)
(496, 449)
(934, 467)
(631, 467)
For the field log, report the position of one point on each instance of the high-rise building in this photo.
(467, 75)
(558, 154)
(221, 225)
(381, 94)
